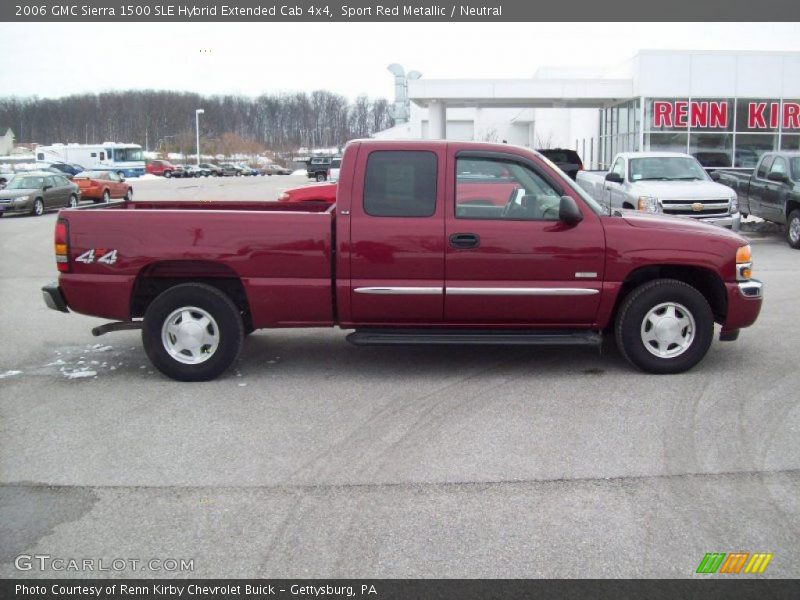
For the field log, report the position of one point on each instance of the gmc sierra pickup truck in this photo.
(771, 191)
(429, 242)
(663, 182)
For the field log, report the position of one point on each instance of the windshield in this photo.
(666, 168)
(128, 154)
(25, 183)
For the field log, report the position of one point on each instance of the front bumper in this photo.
(14, 207)
(744, 304)
(53, 297)
(732, 222)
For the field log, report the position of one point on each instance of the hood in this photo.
(683, 190)
(6, 194)
(685, 224)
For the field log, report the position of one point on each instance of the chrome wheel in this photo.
(190, 335)
(38, 207)
(668, 330)
(73, 201)
(106, 197)
(794, 230)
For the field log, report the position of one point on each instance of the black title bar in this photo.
(394, 589)
(403, 10)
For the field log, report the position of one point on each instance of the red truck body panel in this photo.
(309, 264)
(287, 276)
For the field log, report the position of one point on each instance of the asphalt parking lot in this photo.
(314, 458)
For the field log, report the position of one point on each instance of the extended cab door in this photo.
(777, 188)
(396, 234)
(615, 192)
(509, 260)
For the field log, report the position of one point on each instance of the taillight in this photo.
(62, 245)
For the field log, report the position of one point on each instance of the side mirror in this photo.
(714, 176)
(614, 177)
(568, 211)
(778, 176)
(47, 187)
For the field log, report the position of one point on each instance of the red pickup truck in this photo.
(410, 253)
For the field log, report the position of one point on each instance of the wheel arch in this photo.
(160, 276)
(792, 204)
(706, 281)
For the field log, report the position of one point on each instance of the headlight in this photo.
(648, 204)
(22, 199)
(744, 263)
(734, 204)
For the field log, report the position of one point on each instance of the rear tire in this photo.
(73, 201)
(106, 196)
(129, 195)
(664, 326)
(793, 229)
(321, 177)
(168, 174)
(171, 340)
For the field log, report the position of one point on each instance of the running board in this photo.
(396, 337)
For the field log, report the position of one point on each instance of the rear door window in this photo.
(400, 184)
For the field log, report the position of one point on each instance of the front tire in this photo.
(38, 208)
(106, 196)
(129, 195)
(321, 177)
(168, 174)
(664, 326)
(793, 229)
(192, 332)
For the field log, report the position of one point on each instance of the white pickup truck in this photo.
(663, 182)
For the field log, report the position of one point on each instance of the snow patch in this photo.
(80, 374)
(10, 374)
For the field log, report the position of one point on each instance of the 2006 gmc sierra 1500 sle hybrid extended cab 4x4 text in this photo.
(429, 242)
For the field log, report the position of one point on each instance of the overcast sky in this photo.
(51, 59)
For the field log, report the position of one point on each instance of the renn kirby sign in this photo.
(716, 114)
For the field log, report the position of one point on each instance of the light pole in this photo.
(197, 114)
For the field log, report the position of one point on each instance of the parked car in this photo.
(317, 167)
(566, 160)
(333, 169)
(316, 192)
(273, 169)
(663, 182)
(400, 260)
(247, 170)
(163, 168)
(771, 191)
(69, 169)
(36, 192)
(195, 171)
(212, 168)
(103, 186)
(230, 170)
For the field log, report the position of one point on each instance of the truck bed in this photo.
(281, 252)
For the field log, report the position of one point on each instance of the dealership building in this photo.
(725, 108)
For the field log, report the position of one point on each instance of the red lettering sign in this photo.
(662, 114)
(681, 112)
(719, 114)
(755, 115)
(699, 114)
(773, 115)
(791, 115)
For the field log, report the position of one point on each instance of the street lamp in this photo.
(197, 114)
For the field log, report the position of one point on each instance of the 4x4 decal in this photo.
(107, 257)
